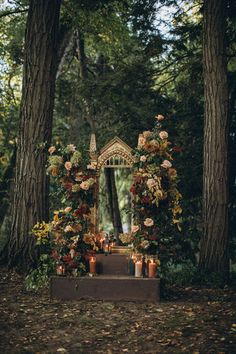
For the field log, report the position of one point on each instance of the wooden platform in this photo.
(116, 264)
(105, 287)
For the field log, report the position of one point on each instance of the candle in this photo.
(106, 248)
(152, 269)
(138, 269)
(60, 269)
(92, 265)
(101, 243)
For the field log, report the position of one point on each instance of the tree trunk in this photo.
(31, 188)
(214, 244)
(113, 201)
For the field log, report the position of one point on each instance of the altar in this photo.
(115, 273)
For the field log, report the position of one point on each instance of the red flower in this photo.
(177, 148)
(146, 200)
(152, 237)
(133, 190)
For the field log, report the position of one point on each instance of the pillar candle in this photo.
(152, 269)
(138, 269)
(60, 269)
(92, 265)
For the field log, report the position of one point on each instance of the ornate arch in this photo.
(116, 153)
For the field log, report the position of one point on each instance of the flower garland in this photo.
(156, 199)
(68, 235)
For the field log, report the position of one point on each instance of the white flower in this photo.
(163, 135)
(71, 148)
(68, 228)
(143, 158)
(166, 164)
(151, 183)
(148, 222)
(160, 117)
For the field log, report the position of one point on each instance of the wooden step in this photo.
(107, 288)
(116, 264)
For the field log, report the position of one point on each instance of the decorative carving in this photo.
(93, 147)
(115, 154)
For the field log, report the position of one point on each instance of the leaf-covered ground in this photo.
(190, 320)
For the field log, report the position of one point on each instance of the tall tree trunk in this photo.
(214, 244)
(113, 201)
(31, 188)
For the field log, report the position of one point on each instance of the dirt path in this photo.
(190, 321)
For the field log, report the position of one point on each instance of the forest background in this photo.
(119, 64)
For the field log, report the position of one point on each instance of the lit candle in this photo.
(92, 265)
(138, 269)
(106, 248)
(101, 243)
(152, 269)
(60, 269)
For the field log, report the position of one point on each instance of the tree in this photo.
(214, 244)
(31, 188)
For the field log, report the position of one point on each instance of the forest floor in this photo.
(188, 320)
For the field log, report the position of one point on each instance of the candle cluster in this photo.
(139, 266)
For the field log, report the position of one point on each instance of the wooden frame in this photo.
(115, 154)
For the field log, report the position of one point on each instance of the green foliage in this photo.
(180, 274)
(39, 277)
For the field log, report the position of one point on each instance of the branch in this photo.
(12, 12)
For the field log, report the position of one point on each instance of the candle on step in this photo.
(92, 265)
(138, 269)
(152, 269)
(101, 243)
(60, 269)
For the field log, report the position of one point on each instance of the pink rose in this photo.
(163, 135)
(51, 150)
(166, 164)
(148, 222)
(143, 158)
(160, 117)
(135, 228)
(68, 165)
(84, 185)
(141, 140)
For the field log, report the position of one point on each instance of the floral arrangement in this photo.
(156, 199)
(68, 235)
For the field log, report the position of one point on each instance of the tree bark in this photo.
(113, 201)
(31, 186)
(214, 256)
